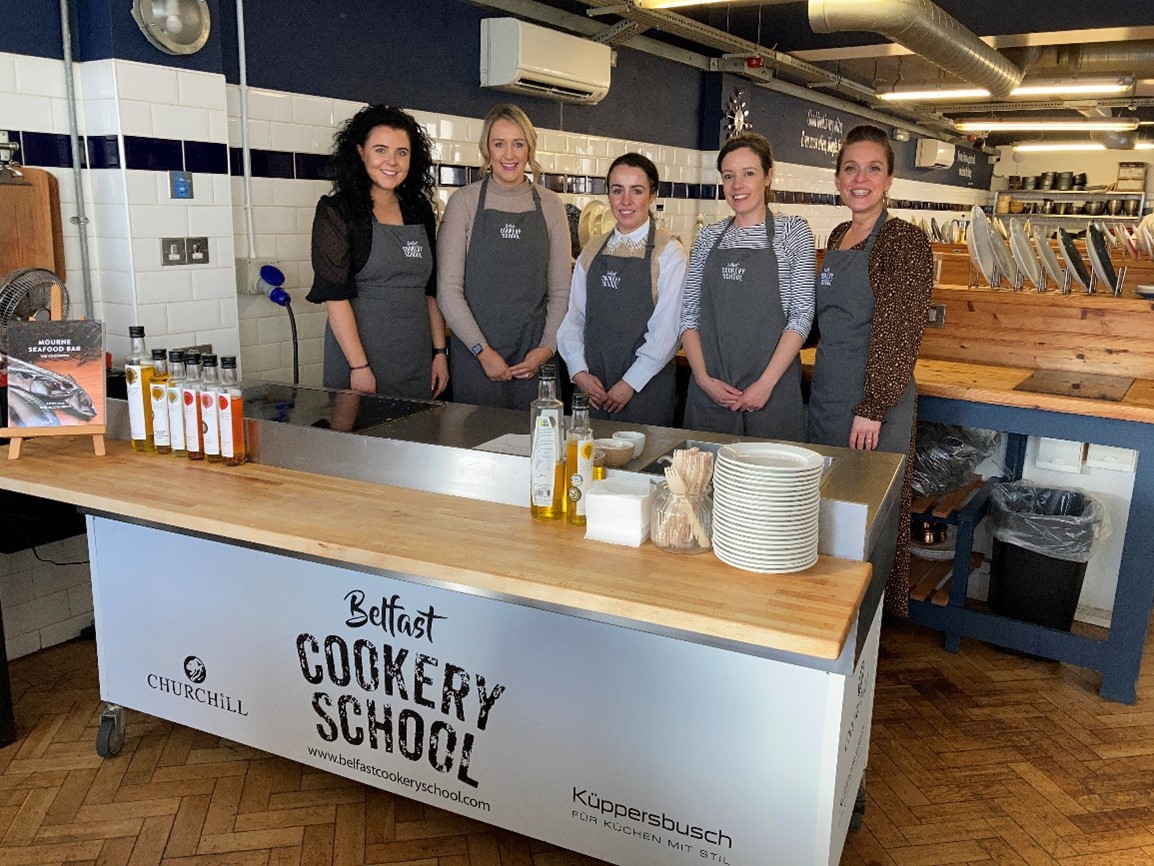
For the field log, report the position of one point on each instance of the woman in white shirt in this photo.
(620, 333)
(749, 302)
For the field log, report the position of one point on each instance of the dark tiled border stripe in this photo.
(153, 154)
(51, 150)
(206, 157)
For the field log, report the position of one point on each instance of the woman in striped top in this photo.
(748, 307)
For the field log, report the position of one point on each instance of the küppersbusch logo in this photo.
(412, 249)
(733, 271)
(196, 672)
(511, 232)
(611, 280)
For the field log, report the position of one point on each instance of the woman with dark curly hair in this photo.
(374, 260)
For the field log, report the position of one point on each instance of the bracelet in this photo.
(362, 367)
(440, 350)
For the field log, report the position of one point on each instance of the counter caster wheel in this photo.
(110, 737)
(859, 807)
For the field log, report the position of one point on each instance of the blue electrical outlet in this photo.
(180, 184)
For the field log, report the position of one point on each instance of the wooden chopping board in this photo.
(1093, 386)
(31, 235)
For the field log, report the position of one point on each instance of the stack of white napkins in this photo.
(617, 510)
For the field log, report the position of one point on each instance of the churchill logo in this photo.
(194, 669)
(196, 673)
(733, 271)
(826, 277)
(511, 232)
(412, 249)
(611, 280)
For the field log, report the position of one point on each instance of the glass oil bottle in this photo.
(546, 450)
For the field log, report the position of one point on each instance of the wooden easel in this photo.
(17, 435)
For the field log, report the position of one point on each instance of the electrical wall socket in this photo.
(248, 272)
(936, 316)
(197, 251)
(173, 251)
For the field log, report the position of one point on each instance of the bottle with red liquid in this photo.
(209, 415)
(230, 408)
(190, 399)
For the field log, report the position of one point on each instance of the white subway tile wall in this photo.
(129, 210)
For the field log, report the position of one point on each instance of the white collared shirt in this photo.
(662, 335)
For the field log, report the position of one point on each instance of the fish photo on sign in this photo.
(56, 374)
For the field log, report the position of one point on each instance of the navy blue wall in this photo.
(808, 134)
(426, 56)
(100, 29)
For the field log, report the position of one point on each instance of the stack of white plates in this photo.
(766, 497)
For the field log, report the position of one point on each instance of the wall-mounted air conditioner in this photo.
(934, 154)
(525, 58)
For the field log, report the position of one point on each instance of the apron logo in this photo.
(826, 277)
(610, 280)
(733, 271)
(412, 249)
(511, 232)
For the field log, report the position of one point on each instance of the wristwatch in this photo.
(477, 349)
(440, 350)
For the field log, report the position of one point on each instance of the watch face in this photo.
(477, 349)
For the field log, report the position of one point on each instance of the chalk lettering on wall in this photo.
(822, 132)
(966, 162)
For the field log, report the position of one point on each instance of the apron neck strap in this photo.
(882, 217)
(485, 192)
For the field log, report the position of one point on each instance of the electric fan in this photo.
(26, 294)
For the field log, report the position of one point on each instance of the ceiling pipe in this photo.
(926, 30)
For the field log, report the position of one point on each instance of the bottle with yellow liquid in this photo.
(158, 402)
(137, 377)
(546, 449)
(578, 461)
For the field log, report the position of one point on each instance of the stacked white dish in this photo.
(766, 497)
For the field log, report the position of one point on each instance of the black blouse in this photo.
(341, 246)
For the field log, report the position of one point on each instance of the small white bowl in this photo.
(633, 437)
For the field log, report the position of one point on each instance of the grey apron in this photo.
(845, 310)
(741, 322)
(618, 306)
(392, 315)
(506, 288)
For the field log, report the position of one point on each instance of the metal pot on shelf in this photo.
(1095, 207)
(1114, 206)
(1130, 207)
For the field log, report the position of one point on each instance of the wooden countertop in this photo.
(985, 383)
(475, 546)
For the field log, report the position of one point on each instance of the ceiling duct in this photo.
(926, 30)
(1134, 58)
(1116, 140)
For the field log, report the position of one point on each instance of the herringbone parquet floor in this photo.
(977, 758)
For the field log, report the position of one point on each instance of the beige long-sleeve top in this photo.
(453, 246)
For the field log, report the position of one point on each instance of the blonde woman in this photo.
(503, 269)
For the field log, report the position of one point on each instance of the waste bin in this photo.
(1043, 538)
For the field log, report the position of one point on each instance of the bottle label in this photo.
(160, 427)
(191, 419)
(580, 480)
(209, 423)
(175, 417)
(546, 451)
(224, 413)
(134, 383)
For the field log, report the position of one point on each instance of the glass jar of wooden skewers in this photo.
(681, 519)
